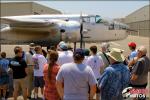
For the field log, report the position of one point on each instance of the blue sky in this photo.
(110, 9)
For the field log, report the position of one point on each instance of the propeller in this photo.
(81, 31)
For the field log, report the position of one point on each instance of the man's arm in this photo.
(26, 70)
(59, 86)
(134, 77)
(138, 69)
(92, 84)
(102, 70)
(92, 91)
(133, 61)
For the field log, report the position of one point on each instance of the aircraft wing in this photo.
(39, 25)
(27, 22)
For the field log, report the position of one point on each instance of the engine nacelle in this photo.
(70, 31)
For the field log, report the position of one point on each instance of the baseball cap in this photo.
(131, 44)
(79, 51)
(63, 45)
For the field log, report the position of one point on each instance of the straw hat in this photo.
(116, 54)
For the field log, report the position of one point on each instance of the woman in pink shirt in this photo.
(50, 71)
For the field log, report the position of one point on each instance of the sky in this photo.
(110, 9)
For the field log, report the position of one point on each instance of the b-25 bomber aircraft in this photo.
(48, 30)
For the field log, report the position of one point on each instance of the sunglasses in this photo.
(139, 50)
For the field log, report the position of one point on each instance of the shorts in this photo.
(20, 83)
(5, 86)
(38, 81)
(4, 79)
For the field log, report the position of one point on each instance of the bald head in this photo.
(105, 47)
(143, 50)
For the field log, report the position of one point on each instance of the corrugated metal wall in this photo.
(139, 21)
(143, 28)
(25, 8)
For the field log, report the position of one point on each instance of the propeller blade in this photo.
(81, 31)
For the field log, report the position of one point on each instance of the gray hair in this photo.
(105, 45)
(142, 49)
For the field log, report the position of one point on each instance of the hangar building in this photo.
(139, 20)
(25, 8)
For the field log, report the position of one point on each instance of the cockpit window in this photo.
(92, 19)
(97, 19)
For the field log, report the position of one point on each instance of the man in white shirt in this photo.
(95, 62)
(39, 62)
(75, 79)
(65, 56)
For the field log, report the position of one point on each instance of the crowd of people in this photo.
(63, 73)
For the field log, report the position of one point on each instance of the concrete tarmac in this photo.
(122, 44)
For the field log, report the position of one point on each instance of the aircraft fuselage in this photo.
(67, 28)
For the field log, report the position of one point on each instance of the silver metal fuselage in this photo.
(49, 35)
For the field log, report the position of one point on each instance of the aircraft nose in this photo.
(70, 31)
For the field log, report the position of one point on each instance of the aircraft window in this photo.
(87, 19)
(98, 19)
(111, 26)
(3, 26)
(92, 19)
(116, 26)
(122, 26)
(36, 13)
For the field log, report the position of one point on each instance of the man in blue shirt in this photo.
(4, 62)
(4, 79)
(115, 77)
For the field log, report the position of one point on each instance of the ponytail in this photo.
(50, 67)
(53, 56)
